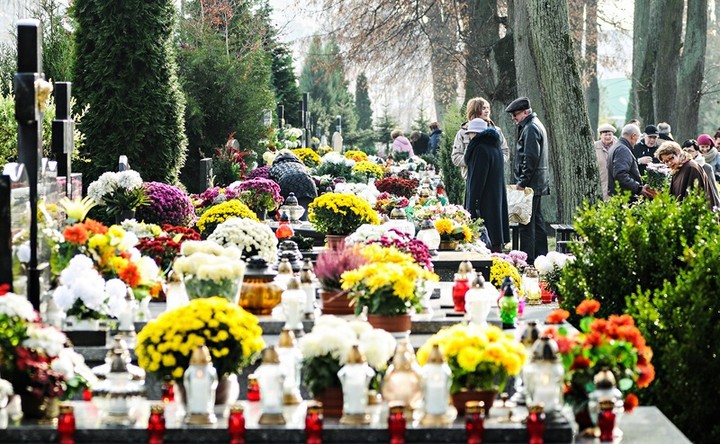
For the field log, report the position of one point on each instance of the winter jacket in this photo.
(531, 162)
(623, 168)
(434, 144)
(292, 176)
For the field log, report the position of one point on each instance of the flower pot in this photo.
(391, 324)
(448, 245)
(335, 241)
(261, 213)
(546, 294)
(205, 288)
(486, 396)
(332, 401)
(336, 303)
(42, 410)
(226, 393)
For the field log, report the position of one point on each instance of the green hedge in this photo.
(454, 183)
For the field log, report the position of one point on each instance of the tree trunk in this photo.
(690, 71)
(547, 37)
(668, 35)
(644, 53)
(443, 44)
(592, 92)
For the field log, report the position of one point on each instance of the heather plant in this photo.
(167, 205)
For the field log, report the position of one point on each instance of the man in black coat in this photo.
(486, 195)
(420, 143)
(531, 171)
(622, 165)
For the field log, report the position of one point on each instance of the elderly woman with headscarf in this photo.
(709, 152)
(686, 173)
(291, 174)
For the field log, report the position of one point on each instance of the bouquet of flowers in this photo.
(262, 172)
(451, 230)
(337, 213)
(614, 343)
(331, 264)
(212, 196)
(326, 347)
(232, 335)
(249, 236)
(209, 269)
(121, 191)
(307, 156)
(480, 358)
(165, 246)
(356, 155)
(112, 253)
(219, 213)
(502, 268)
(550, 268)
(657, 176)
(35, 358)
(369, 169)
(397, 186)
(437, 211)
(386, 202)
(167, 204)
(337, 166)
(260, 194)
(387, 284)
(361, 190)
(379, 234)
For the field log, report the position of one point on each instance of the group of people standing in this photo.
(480, 152)
(622, 162)
(419, 143)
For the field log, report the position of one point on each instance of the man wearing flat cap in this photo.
(602, 146)
(644, 150)
(531, 171)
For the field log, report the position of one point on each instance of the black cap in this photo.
(519, 104)
(651, 130)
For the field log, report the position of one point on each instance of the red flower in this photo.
(647, 375)
(594, 339)
(631, 401)
(598, 326)
(557, 316)
(4, 289)
(621, 320)
(130, 275)
(579, 363)
(564, 344)
(588, 307)
(76, 234)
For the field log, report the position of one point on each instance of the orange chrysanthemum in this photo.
(580, 362)
(593, 339)
(621, 320)
(588, 307)
(76, 234)
(564, 344)
(557, 316)
(95, 226)
(632, 335)
(130, 275)
(647, 375)
(598, 325)
(631, 401)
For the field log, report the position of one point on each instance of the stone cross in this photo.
(63, 141)
(29, 118)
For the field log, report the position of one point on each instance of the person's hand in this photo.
(644, 160)
(648, 192)
(519, 187)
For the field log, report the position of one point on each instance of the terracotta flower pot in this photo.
(332, 401)
(336, 303)
(486, 396)
(392, 324)
(335, 241)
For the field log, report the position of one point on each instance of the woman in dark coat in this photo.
(686, 173)
(290, 173)
(486, 195)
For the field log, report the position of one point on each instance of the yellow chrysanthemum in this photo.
(468, 358)
(444, 226)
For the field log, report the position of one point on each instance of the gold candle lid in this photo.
(536, 408)
(285, 266)
(314, 407)
(287, 338)
(200, 356)
(475, 407)
(355, 356)
(157, 409)
(236, 408)
(293, 284)
(270, 356)
(252, 377)
(435, 356)
(607, 404)
(397, 406)
(66, 409)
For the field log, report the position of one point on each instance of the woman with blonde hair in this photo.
(686, 173)
(477, 108)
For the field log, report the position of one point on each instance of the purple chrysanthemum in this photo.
(263, 172)
(168, 205)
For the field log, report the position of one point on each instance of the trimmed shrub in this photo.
(454, 183)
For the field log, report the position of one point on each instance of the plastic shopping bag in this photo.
(519, 205)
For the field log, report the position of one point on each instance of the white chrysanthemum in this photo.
(105, 184)
(324, 341)
(116, 291)
(6, 389)
(15, 305)
(378, 346)
(293, 132)
(128, 179)
(191, 247)
(338, 159)
(64, 297)
(149, 270)
(365, 234)
(247, 235)
(91, 291)
(221, 269)
(48, 340)
(63, 364)
(76, 269)
(543, 265)
(269, 157)
(360, 327)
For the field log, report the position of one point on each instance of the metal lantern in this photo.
(544, 375)
(402, 381)
(429, 235)
(292, 208)
(118, 392)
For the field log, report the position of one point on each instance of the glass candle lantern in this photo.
(253, 389)
(536, 424)
(508, 304)
(605, 389)
(429, 235)
(290, 363)
(402, 381)
(236, 424)
(293, 302)
(531, 285)
(475, 421)
(355, 376)
(200, 381)
(309, 287)
(314, 423)
(478, 302)
(606, 420)
(436, 378)
(66, 425)
(258, 293)
(167, 390)
(271, 379)
(156, 424)
(397, 424)
(544, 375)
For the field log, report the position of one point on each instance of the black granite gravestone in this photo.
(62, 133)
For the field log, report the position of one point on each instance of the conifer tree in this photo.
(362, 102)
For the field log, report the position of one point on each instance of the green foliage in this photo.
(125, 71)
(284, 83)
(58, 40)
(681, 322)
(421, 122)
(629, 247)
(384, 127)
(320, 373)
(454, 183)
(362, 102)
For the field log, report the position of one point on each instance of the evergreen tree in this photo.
(421, 122)
(125, 71)
(384, 127)
(362, 102)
